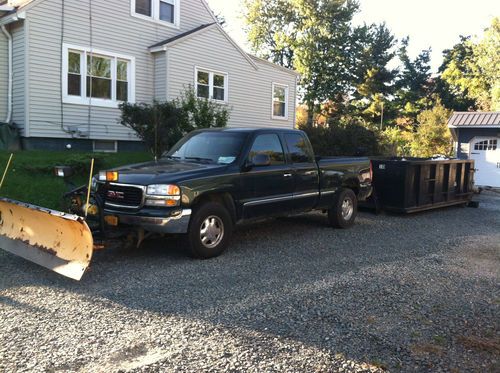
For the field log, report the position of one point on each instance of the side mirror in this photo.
(261, 160)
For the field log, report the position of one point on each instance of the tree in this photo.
(272, 30)
(456, 63)
(473, 69)
(312, 36)
(414, 84)
(433, 135)
(374, 80)
(487, 57)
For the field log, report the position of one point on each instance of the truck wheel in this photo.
(344, 210)
(210, 230)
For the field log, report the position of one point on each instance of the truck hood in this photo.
(165, 171)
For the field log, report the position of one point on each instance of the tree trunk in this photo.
(310, 114)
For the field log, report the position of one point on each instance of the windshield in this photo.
(211, 147)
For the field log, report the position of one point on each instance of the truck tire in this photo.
(344, 210)
(210, 231)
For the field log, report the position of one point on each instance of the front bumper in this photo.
(176, 223)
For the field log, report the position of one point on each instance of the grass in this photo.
(31, 178)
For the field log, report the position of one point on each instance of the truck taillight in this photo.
(371, 171)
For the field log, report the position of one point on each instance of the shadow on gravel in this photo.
(373, 292)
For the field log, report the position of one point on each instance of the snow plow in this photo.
(62, 242)
(58, 241)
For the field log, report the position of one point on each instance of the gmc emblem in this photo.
(115, 195)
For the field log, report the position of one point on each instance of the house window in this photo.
(74, 73)
(122, 80)
(280, 101)
(97, 78)
(105, 146)
(99, 82)
(211, 85)
(164, 11)
(143, 7)
(167, 11)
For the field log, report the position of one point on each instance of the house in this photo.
(477, 137)
(66, 65)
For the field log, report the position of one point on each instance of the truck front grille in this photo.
(122, 195)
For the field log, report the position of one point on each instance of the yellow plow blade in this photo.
(60, 242)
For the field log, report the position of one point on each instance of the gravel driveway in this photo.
(413, 293)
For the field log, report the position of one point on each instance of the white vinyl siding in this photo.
(160, 79)
(249, 94)
(4, 73)
(19, 78)
(113, 30)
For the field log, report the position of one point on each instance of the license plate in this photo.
(111, 220)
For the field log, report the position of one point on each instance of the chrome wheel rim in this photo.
(347, 209)
(211, 231)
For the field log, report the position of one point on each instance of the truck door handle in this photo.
(287, 175)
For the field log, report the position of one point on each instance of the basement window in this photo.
(105, 146)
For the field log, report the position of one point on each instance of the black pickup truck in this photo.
(215, 178)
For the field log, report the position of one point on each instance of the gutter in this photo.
(10, 57)
(6, 8)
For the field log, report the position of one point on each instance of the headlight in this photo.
(163, 195)
(163, 190)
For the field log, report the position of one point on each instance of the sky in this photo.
(429, 23)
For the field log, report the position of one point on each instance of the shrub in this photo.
(343, 139)
(201, 113)
(158, 124)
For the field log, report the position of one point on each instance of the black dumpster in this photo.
(415, 184)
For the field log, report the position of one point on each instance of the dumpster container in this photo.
(409, 185)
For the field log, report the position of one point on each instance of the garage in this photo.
(477, 137)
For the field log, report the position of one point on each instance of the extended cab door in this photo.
(267, 190)
(305, 171)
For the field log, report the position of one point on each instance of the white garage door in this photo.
(486, 153)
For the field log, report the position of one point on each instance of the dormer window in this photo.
(161, 11)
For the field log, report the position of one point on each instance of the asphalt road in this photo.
(399, 293)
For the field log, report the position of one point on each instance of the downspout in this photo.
(9, 93)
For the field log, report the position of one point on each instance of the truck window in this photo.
(299, 149)
(268, 144)
(217, 147)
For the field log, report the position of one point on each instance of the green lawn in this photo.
(31, 178)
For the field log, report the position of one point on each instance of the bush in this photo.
(337, 139)
(158, 124)
(162, 124)
(201, 113)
